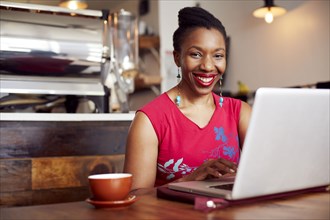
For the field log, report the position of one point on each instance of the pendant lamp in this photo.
(269, 11)
(73, 4)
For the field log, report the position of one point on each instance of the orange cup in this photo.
(110, 186)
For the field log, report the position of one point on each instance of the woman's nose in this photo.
(207, 65)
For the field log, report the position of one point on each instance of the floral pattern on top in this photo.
(223, 149)
(220, 134)
(171, 168)
(174, 169)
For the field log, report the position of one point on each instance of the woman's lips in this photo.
(205, 80)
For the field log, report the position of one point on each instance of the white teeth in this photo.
(205, 79)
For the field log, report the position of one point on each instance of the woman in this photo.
(189, 132)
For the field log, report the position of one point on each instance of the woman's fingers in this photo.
(224, 166)
(214, 168)
(213, 172)
(218, 169)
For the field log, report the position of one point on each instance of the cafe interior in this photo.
(73, 73)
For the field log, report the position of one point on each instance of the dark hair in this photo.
(195, 17)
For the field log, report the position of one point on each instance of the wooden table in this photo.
(307, 206)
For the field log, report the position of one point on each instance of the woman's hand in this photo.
(213, 168)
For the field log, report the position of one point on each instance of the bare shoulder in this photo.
(245, 113)
(244, 120)
(245, 108)
(141, 128)
(141, 120)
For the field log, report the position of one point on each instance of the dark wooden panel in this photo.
(52, 179)
(47, 162)
(63, 172)
(15, 175)
(52, 139)
(37, 197)
(59, 172)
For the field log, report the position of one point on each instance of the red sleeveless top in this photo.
(183, 145)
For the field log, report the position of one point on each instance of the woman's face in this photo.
(202, 59)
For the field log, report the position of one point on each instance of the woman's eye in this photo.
(219, 56)
(196, 55)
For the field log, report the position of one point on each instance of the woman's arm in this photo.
(141, 152)
(244, 120)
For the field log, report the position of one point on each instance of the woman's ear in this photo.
(176, 57)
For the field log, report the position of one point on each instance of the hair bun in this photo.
(195, 16)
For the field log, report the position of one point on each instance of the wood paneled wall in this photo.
(49, 162)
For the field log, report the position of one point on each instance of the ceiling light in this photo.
(269, 11)
(74, 4)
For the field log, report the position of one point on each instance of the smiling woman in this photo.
(189, 132)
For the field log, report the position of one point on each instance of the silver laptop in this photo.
(286, 147)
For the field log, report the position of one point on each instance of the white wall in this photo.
(168, 23)
(292, 51)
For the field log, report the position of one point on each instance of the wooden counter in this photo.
(148, 206)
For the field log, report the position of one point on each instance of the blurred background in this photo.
(92, 66)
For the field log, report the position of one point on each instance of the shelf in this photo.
(147, 42)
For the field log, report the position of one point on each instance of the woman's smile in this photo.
(203, 79)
